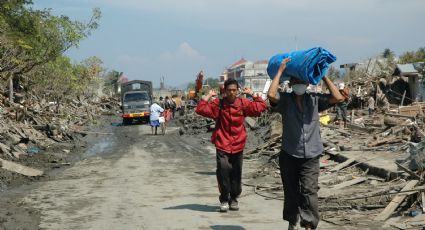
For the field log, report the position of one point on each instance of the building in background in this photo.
(255, 77)
(236, 69)
(249, 74)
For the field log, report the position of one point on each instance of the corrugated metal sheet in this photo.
(406, 69)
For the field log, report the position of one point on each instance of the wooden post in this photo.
(402, 99)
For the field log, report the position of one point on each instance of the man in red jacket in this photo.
(229, 137)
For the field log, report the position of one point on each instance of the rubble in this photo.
(193, 124)
(372, 170)
(30, 126)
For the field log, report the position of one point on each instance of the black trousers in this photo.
(300, 179)
(229, 174)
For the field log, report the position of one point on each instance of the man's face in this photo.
(231, 92)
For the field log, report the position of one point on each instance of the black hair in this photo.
(292, 81)
(230, 82)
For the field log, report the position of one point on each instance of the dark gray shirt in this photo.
(301, 130)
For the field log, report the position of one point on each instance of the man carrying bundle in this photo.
(301, 146)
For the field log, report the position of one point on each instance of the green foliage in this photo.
(212, 82)
(413, 56)
(387, 53)
(32, 37)
(60, 79)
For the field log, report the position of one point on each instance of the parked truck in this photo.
(136, 99)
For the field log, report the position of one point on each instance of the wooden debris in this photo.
(343, 165)
(263, 146)
(410, 172)
(390, 140)
(24, 170)
(395, 202)
(251, 122)
(350, 182)
(360, 128)
(412, 111)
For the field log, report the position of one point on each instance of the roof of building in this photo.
(348, 65)
(238, 63)
(405, 69)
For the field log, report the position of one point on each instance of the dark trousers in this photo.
(341, 112)
(229, 174)
(300, 179)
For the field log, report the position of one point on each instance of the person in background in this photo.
(182, 106)
(155, 110)
(169, 106)
(229, 137)
(341, 107)
(301, 146)
(161, 102)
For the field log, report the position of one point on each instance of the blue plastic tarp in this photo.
(307, 65)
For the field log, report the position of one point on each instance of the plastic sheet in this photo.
(307, 65)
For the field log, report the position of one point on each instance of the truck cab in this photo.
(136, 99)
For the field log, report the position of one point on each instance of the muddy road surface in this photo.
(134, 180)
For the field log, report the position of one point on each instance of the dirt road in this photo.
(133, 180)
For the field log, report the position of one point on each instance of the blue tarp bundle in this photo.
(307, 65)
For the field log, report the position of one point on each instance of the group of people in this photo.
(301, 142)
(161, 112)
(341, 107)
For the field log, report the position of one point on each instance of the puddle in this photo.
(102, 147)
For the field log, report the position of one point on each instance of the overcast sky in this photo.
(147, 39)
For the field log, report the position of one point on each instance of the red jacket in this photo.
(230, 134)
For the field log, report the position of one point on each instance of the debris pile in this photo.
(193, 124)
(29, 127)
(368, 159)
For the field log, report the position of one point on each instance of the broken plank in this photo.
(410, 172)
(395, 202)
(399, 115)
(350, 182)
(343, 165)
(24, 170)
(360, 128)
(265, 145)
